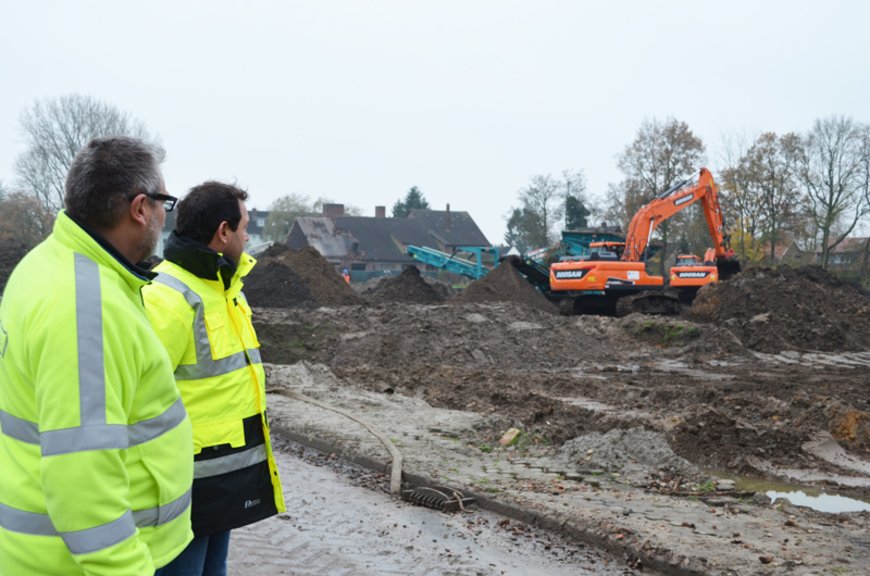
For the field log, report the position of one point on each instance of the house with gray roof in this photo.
(371, 246)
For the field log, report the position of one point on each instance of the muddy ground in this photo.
(765, 377)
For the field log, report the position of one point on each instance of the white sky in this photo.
(357, 101)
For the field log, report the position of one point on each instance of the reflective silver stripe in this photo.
(17, 520)
(93, 539)
(146, 430)
(105, 437)
(99, 537)
(162, 514)
(216, 367)
(22, 430)
(230, 462)
(68, 440)
(200, 334)
(205, 366)
(89, 339)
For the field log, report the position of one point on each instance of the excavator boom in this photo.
(672, 201)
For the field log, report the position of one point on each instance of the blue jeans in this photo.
(204, 556)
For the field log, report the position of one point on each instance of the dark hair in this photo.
(106, 174)
(199, 214)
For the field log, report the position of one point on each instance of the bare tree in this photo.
(835, 173)
(544, 197)
(23, 220)
(55, 130)
(524, 230)
(661, 154)
(768, 173)
(742, 207)
(578, 208)
(282, 212)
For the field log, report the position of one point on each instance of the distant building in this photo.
(371, 246)
(852, 254)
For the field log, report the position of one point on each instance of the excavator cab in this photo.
(687, 260)
(605, 250)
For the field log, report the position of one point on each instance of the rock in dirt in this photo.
(771, 310)
(297, 278)
(408, 287)
(505, 284)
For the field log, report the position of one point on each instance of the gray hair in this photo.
(106, 174)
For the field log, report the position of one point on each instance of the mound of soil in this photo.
(297, 278)
(408, 287)
(505, 284)
(274, 285)
(788, 309)
(10, 254)
(626, 451)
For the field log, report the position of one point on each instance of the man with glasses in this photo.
(202, 317)
(94, 449)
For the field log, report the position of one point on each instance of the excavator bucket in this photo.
(728, 267)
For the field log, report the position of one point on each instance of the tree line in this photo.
(811, 187)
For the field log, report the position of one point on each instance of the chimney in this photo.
(380, 211)
(333, 210)
(447, 219)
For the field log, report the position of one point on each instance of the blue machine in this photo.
(455, 263)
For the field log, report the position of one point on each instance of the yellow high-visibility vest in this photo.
(94, 477)
(214, 350)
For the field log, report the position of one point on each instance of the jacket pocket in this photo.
(218, 433)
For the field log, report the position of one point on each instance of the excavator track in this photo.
(653, 302)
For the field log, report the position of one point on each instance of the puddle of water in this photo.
(798, 495)
(823, 502)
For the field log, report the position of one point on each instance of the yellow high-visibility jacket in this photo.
(94, 473)
(205, 325)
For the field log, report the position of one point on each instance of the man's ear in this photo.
(219, 239)
(138, 209)
(223, 229)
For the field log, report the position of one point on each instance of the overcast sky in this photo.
(357, 101)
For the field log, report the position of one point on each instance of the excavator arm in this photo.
(672, 201)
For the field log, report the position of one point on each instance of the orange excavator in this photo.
(613, 277)
(689, 273)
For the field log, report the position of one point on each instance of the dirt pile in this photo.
(504, 284)
(11, 253)
(788, 309)
(629, 452)
(408, 287)
(297, 278)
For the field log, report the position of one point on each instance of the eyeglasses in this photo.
(168, 201)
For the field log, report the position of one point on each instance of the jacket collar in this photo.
(92, 244)
(199, 259)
